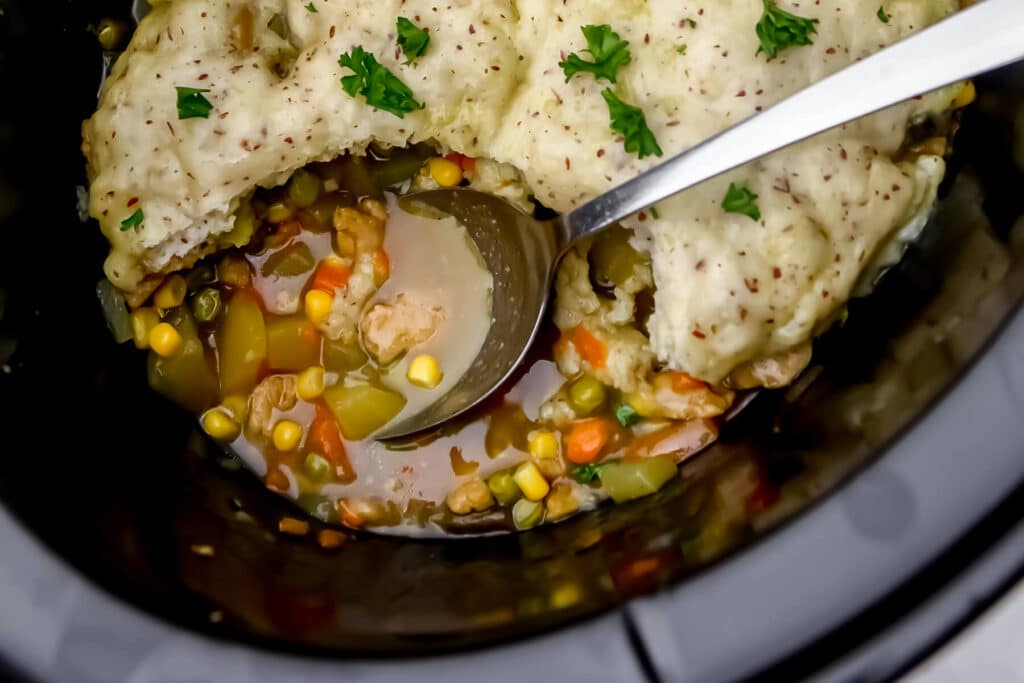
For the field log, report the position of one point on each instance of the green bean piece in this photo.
(587, 394)
(206, 305)
(341, 357)
(296, 259)
(527, 514)
(503, 487)
(317, 467)
(612, 259)
(304, 188)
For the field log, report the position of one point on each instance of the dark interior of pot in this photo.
(119, 483)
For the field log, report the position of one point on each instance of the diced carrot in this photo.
(467, 164)
(586, 439)
(349, 516)
(381, 267)
(277, 480)
(681, 383)
(330, 275)
(325, 438)
(590, 348)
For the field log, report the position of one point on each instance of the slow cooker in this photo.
(895, 464)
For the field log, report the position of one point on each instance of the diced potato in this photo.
(241, 345)
(293, 343)
(362, 409)
(636, 477)
(184, 377)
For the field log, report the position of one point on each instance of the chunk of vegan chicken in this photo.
(391, 329)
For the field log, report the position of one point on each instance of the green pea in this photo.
(503, 487)
(586, 394)
(304, 188)
(527, 514)
(317, 467)
(206, 305)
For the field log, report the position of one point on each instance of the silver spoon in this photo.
(522, 252)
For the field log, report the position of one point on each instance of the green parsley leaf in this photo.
(585, 474)
(381, 88)
(654, 212)
(883, 16)
(412, 39)
(691, 22)
(608, 50)
(133, 222)
(626, 415)
(629, 121)
(779, 30)
(192, 104)
(312, 8)
(681, 48)
(739, 199)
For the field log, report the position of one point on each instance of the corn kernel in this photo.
(286, 435)
(444, 172)
(965, 96)
(425, 372)
(171, 293)
(219, 425)
(531, 482)
(543, 445)
(237, 406)
(310, 383)
(318, 306)
(279, 212)
(143, 322)
(164, 339)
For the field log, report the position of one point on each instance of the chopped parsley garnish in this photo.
(192, 104)
(608, 50)
(691, 22)
(883, 16)
(654, 212)
(779, 30)
(626, 415)
(312, 8)
(133, 222)
(381, 88)
(585, 474)
(739, 199)
(681, 48)
(629, 121)
(412, 39)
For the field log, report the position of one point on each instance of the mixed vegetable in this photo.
(280, 347)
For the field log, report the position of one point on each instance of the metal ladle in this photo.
(522, 252)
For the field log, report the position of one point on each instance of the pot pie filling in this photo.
(287, 299)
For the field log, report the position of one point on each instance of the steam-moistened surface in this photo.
(491, 87)
(259, 147)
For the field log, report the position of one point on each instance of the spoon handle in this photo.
(981, 38)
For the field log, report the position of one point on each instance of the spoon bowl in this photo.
(521, 253)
